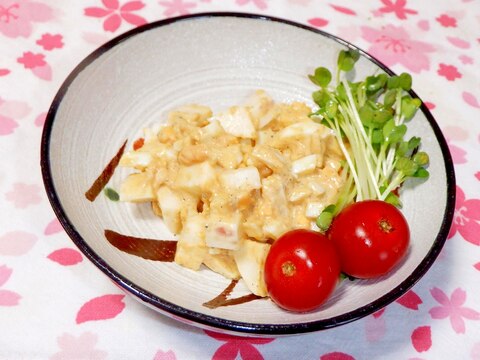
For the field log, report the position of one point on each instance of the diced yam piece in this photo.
(230, 157)
(170, 203)
(299, 192)
(333, 164)
(299, 220)
(304, 128)
(304, 165)
(316, 186)
(137, 188)
(264, 137)
(194, 114)
(191, 248)
(222, 263)
(274, 228)
(271, 157)
(136, 159)
(250, 259)
(223, 234)
(268, 117)
(212, 129)
(313, 209)
(196, 178)
(253, 229)
(273, 191)
(247, 178)
(259, 104)
(237, 122)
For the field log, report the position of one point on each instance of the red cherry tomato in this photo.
(371, 237)
(301, 270)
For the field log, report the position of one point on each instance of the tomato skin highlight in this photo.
(371, 237)
(301, 270)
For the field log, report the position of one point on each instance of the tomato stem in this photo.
(385, 226)
(288, 268)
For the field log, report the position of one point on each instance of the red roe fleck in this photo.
(138, 143)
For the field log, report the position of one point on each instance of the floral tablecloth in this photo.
(54, 304)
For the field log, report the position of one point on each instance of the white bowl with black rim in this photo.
(215, 59)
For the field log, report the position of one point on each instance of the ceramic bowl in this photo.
(217, 60)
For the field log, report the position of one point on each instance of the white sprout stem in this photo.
(356, 140)
(356, 117)
(389, 163)
(362, 147)
(379, 171)
(345, 151)
(392, 186)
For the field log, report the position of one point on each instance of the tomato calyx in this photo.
(288, 268)
(386, 226)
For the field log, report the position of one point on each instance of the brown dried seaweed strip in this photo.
(105, 176)
(158, 250)
(221, 299)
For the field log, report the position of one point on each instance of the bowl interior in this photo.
(134, 81)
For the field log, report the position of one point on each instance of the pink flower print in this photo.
(466, 219)
(23, 195)
(36, 63)
(471, 99)
(447, 21)
(177, 7)
(17, 16)
(261, 4)
(235, 345)
(31, 60)
(458, 154)
(393, 45)
(4, 72)
(397, 7)
(114, 14)
(50, 42)
(81, 347)
(449, 72)
(162, 355)
(466, 60)
(10, 111)
(7, 297)
(453, 309)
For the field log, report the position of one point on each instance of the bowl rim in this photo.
(213, 322)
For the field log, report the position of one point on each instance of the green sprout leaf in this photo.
(421, 158)
(324, 220)
(393, 133)
(321, 98)
(409, 107)
(347, 59)
(406, 166)
(321, 77)
(389, 98)
(111, 194)
(405, 81)
(421, 173)
(375, 83)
